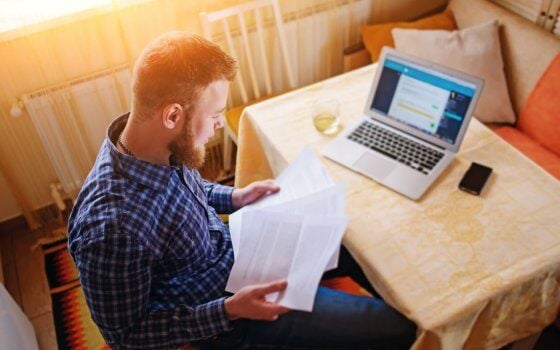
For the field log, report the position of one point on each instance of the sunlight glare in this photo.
(19, 13)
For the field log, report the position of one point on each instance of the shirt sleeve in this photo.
(115, 273)
(219, 197)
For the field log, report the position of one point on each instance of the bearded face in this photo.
(200, 121)
(184, 148)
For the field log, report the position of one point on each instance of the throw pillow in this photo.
(540, 116)
(378, 35)
(476, 51)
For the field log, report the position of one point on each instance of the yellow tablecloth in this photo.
(472, 272)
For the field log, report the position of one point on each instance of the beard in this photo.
(184, 149)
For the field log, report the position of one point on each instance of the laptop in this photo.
(414, 121)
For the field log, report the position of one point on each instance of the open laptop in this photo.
(416, 115)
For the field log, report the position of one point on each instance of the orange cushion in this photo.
(233, 116)
(378, 35)
(540, 117)
(345, 284)
(537, 153)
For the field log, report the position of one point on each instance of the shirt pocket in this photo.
(191, 243)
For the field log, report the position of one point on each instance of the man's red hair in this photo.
(174, 68)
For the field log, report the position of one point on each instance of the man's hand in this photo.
(249, 302)
(253, 192)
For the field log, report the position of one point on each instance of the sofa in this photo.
(529, 53)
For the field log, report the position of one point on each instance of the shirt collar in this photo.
(155, 176)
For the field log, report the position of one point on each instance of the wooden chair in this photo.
(254, 58)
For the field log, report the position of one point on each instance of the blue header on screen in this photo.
(429, 78)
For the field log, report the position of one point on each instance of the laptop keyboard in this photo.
(402, 149)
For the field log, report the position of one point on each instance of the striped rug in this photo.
(74, 326)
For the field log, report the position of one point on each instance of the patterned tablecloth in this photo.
(472, 272)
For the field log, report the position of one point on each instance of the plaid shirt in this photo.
(152, 254)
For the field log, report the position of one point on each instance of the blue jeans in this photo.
(338, 321)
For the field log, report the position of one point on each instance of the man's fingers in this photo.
(272, 287)
(282, 310)
(272, 311)
(269, 186)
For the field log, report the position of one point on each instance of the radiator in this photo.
(71, 120)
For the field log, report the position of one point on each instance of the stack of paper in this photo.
(294, 234)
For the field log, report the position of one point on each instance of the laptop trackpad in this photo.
(374, 166)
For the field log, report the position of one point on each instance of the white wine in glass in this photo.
(326, 123)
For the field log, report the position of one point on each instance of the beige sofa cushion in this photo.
(527, 49)
(474, 50)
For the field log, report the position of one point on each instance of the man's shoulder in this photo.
(107, 215)
(110, 204)
(97, 213)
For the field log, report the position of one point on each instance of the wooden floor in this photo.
(25, 280)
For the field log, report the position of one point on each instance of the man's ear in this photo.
(171, 115)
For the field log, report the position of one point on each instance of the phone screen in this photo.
(475, 178)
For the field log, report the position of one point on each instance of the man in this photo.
(153, 256)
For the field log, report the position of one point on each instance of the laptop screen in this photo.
(424, 99)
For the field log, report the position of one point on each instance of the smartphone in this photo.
(475, 178)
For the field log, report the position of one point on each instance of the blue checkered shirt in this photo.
(152, 254)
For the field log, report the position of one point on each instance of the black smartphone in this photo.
(475, 178)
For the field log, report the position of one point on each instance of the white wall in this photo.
(8, 205)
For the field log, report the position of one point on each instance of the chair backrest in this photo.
(239, 13)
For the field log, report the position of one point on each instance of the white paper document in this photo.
(294, 234)
(303, 177)
(268, 244)
(320, 237)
